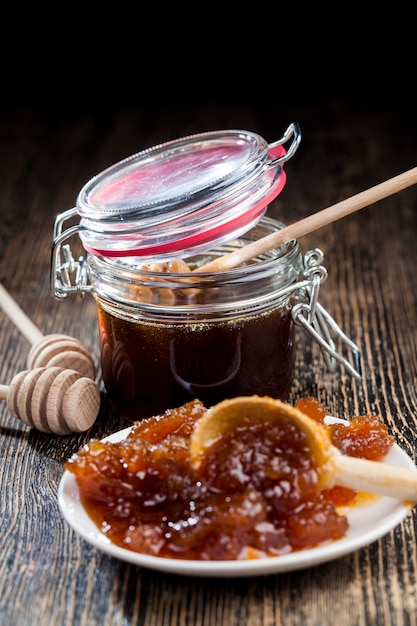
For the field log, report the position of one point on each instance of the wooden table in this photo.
(50, 575)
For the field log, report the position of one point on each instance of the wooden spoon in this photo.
(55, 350)
(333, 467)
(312, 222)
(53, 400)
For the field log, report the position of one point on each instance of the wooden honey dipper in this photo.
(53, 400)
(55, 350)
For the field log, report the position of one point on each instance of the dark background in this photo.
(163, 72)
(275, 59)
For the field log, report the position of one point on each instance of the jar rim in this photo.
(270, 277)
(286, 253)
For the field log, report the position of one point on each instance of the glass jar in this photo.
(166, 338)
(170, 331)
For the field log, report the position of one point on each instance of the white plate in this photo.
(366, 524)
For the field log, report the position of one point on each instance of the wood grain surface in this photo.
(48, 575)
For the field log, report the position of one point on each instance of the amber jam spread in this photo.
(255, 495)
(148, 366)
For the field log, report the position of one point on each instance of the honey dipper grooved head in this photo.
(54, 400)
(62, 351)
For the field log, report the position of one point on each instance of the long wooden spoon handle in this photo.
(374, 477)
(313, 222)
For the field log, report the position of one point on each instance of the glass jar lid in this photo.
(183, 196)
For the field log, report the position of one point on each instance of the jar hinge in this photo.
(320, 325)
(66, 269)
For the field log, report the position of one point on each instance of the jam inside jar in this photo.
(167, 337)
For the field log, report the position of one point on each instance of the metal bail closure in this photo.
(175, 199)
(314, 318)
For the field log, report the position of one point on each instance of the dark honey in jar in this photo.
(171, 337)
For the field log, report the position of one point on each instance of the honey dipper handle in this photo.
(313, 222)
(375, 477)
(3, 392)
(19, 318)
